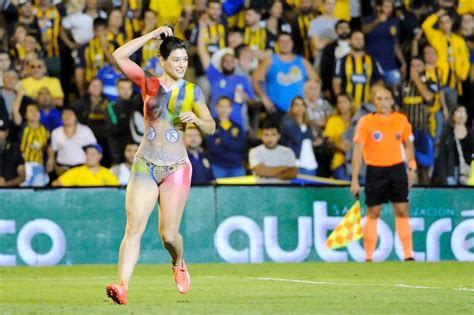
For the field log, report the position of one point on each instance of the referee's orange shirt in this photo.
(382, 138)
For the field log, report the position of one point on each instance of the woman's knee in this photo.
(135, 228)
(168, 238)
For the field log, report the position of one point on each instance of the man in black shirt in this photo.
(12, 165)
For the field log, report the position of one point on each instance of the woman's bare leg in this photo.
(141, 196)
(173, 196)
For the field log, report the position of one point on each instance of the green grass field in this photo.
(306, 288)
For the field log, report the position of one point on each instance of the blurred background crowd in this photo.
(296, 75)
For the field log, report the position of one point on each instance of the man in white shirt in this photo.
(271, 162)
(122, 170)
(68, 140)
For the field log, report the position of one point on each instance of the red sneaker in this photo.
(181, 277)
(117, 293)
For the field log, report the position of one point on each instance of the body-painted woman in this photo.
(161, 170)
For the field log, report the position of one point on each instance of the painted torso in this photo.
(163, 139)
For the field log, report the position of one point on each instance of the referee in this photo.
(378, 139)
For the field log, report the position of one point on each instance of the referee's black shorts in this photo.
(386, 184)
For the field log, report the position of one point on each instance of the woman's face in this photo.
(298, 108)
(460, 116)
(343, 104)
(116, 18)
(149, 20)
(20, 34)
(276, 10)
(176, 64)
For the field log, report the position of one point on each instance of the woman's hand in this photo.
(189, 117)
(163, 32)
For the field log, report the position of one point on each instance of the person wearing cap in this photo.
(89, 174)
(383, 139)
(12, 165)
(220, 70)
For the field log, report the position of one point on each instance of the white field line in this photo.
(401, 285)
(464, 289)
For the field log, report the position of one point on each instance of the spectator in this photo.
(28, 18)
(50, 116)
(284, 75)
(213, 33)
(12, 165)
(118, 120)
(364, 109)
(322, 30)
(224, 81)
(418, 94)
(275, 24)
(67, 142)
(235, 38)
(109, 75)
(409, 25)
(246, 62)
(9, 92)
(115, 30)
(34, 142)
(133, 20)
(202, 172)
(76, 27)
(147, 53)
(306, 13)
(319, 111)
(91, 111)
(332, 53)
(89, 174)
(382, 30)
(92, 9)
(5, 64)
(455, 150)
(227, 146)
(453, 56)
(122, 170)
(297, 135)
(334, 132)
(39, 79)
(356, 72)
(255, 36)
(26, 52)
(439, 110)
(94, 55)
(271, 162)
(49, 22)
(318, 108)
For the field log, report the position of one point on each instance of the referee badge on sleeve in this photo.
(377, 135)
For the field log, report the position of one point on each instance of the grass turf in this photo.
(369, 288)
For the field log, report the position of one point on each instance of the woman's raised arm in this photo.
(122, 54)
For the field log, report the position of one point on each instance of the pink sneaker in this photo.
(181, 277)
(117, 293)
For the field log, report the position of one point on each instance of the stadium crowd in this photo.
(295, 75)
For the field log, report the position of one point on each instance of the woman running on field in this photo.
(161, 170)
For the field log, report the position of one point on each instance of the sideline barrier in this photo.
(236, 224)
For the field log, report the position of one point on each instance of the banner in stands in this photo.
(238, 224)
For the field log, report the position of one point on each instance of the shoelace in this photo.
(181, 273)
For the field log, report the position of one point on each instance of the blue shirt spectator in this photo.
(227, 146)
(232, 86)
(202, 173)
(109, 75)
